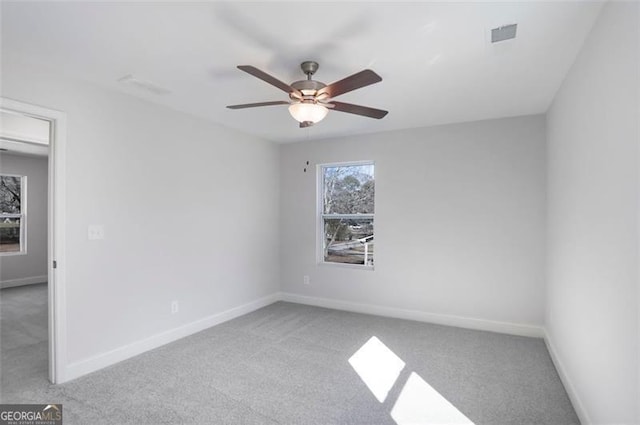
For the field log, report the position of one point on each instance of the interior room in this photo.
(24, 150)
(323, 213)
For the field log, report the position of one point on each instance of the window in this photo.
(12, 214)
(346, 209)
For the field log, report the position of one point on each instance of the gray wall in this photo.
(190, 211)
(459, 226)
(593, 135)
(32, 267)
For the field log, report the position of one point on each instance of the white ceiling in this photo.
(435, 59)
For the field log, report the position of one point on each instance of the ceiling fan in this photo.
(311, 100)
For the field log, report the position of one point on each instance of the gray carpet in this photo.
(23, 338)
(287, 364)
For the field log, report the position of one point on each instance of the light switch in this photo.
(95, 232)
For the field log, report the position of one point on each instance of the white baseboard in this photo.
(23, 281)
(92, 364)
(420, 316)
(566, 381)
(83, 367)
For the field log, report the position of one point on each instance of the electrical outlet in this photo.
(174, 307)
(95, 232)
(306, 280)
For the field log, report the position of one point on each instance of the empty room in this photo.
(320, 212)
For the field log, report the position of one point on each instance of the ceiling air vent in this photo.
(145, 85)
(506, 32)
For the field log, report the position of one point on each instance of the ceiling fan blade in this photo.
(353, 82)
(254, 105)
(269, 79)
(359, 110)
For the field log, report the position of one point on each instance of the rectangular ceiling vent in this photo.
(506, 32)
(145, 85)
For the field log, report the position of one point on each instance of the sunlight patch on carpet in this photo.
(377, 366)
(420, 403)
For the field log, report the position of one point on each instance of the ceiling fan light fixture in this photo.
(311, 100)
(312, 112)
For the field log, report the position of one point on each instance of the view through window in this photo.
(347, 212)
(11, 214)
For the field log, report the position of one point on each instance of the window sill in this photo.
(12, 254)
(346, 266)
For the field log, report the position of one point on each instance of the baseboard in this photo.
(83, 367)
(566, 381)
(23, 281)
(420, 316)
(92, 364)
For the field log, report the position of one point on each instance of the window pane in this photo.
(10, 194)
(348, 241)
(10, 235)
(348, 189)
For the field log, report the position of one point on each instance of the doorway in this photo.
(25, 148)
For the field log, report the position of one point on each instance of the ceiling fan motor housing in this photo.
(308, 88)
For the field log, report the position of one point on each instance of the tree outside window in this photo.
(12, 214)
(347, 213)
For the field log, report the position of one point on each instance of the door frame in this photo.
(56, 257)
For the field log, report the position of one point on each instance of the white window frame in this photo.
(22, 216)
(320, 216)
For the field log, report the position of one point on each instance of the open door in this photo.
(56, 225)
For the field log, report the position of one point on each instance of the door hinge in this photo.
(55, 264)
